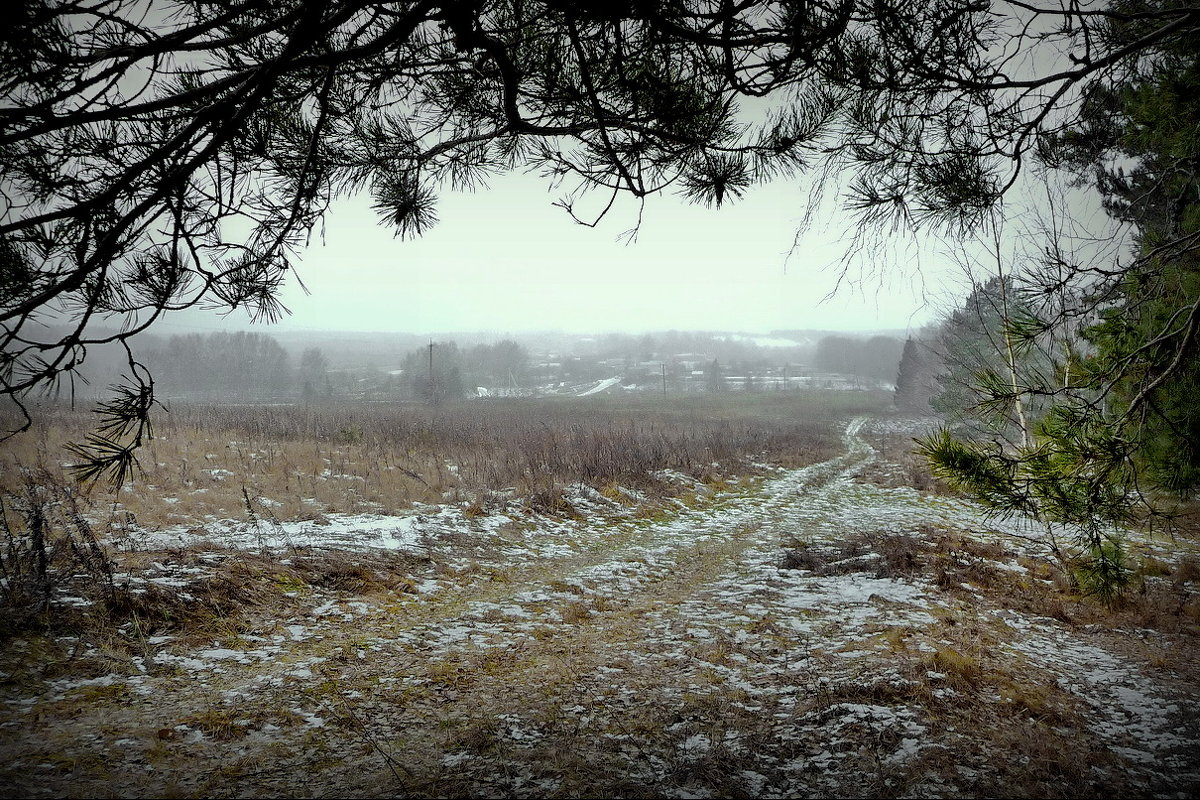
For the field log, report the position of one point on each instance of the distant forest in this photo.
(245, 366)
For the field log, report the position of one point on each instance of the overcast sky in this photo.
(505, 260)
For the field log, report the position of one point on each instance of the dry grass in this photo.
(900, 465)
(591, 698)
(1161, 598)
(1012, 708)
(290, 463)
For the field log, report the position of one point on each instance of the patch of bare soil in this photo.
(829, 631)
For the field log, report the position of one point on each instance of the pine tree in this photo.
(916, 377)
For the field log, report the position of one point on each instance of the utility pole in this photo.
(432, 385)
(664, 378)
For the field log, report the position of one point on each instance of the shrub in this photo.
(47, 543)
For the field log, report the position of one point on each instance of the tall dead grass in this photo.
(211, 462)
(299, 462)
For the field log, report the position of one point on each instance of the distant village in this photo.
(678, 372)
(248, 366)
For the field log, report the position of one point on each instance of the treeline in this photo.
(954, 366)
(875, 357)
(239, 365)
(255, 367)
(444, 371)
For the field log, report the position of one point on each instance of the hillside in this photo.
(819, 630)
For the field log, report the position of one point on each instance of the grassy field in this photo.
(702, 597)
(304, 461)
(213, 463)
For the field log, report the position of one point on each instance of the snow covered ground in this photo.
(737, 647)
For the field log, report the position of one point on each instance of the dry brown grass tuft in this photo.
(900, 464)
(963, 670)
(885, 554)
(1188, 570)
(228, 724)
(986, 574)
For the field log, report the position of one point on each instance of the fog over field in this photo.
(268, 364)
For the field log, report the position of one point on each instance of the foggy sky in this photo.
(504, 259)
